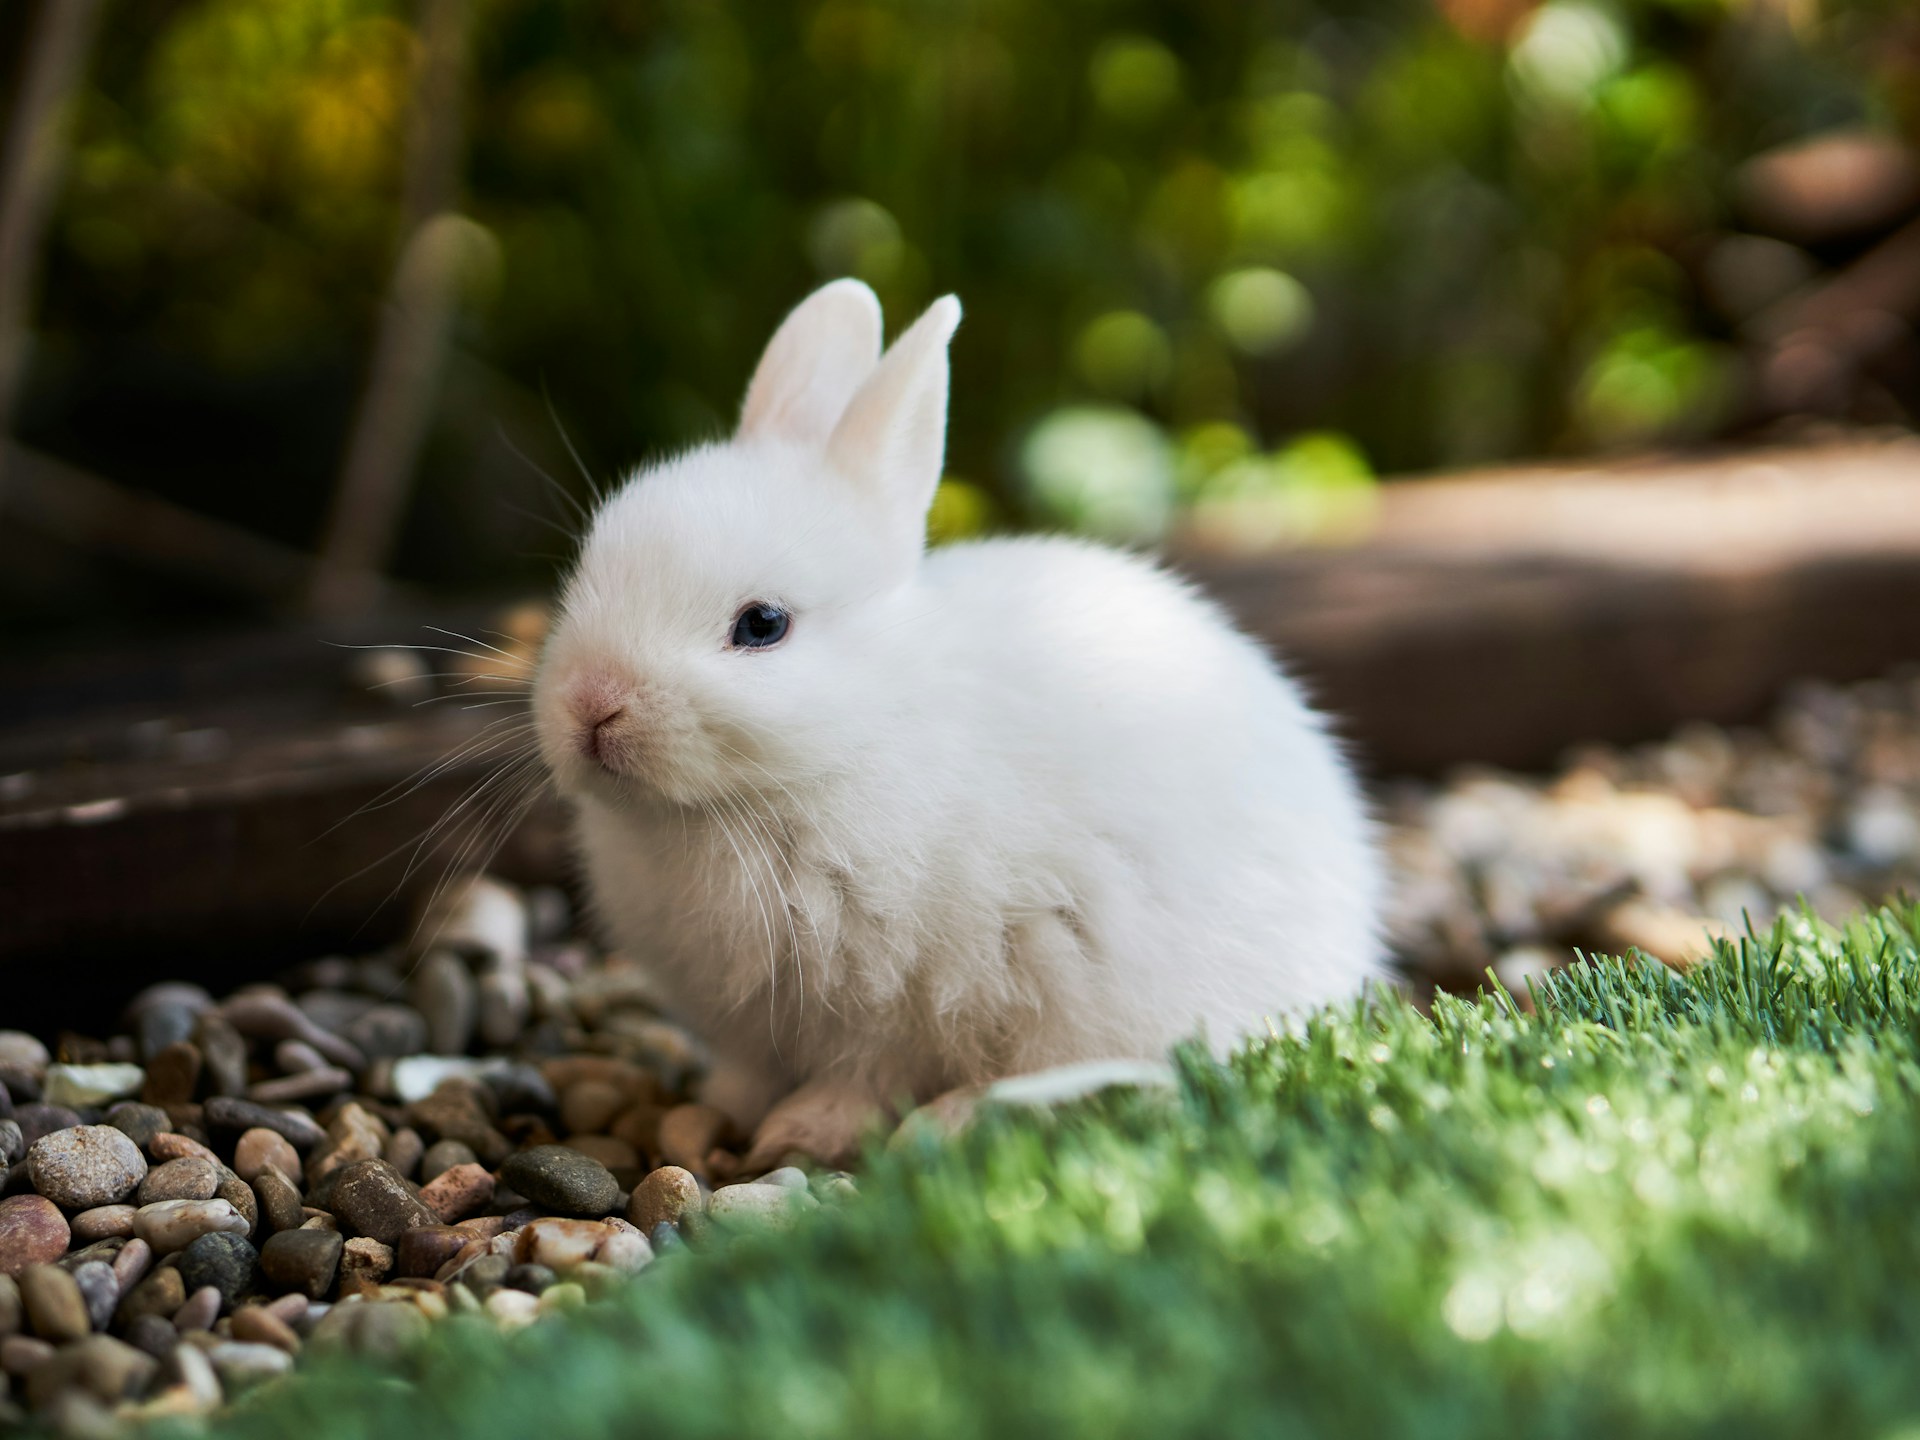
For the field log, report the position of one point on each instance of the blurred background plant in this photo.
(1223, 264)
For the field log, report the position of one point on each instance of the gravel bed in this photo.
(1660, 846)
(335, 1161)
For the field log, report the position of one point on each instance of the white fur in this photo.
(1004, 806)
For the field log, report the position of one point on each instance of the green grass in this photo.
(1664, 1205)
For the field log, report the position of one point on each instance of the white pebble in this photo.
(169, 1225)
(79, 1085)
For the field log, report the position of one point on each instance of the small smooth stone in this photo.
(175, 1224)
(99, 1289)
(556, 1178)
(56, 1309)
(758, 1207)
(459, 1192)
(529, 1277)
(333, 1009)
(422, 1250)
(382, 1328)
(620, 1158)
(228, 1112)
(19, 1048)
(22, 1354)
(13, 1144)
(458, 1109)
(138, 1122)
(445, 995)
(161, 1293)
(416, 1077)
(279, 1200)
(290, 1309)
(171, 1145)
(354, 1134)
(188, 1179)
(626, 1251)
(404, 1149)
(589, 1106)
(201, 1309)
(665, 1238)
(155, 1335)
(370, 1198)
(102, 1222)
(258, 1148)
(364, 1260)
(37, 1120)
(223, 1051)
(226, 1263)
(159, 1026)
(111, 1369)
(256, 1324)
(512, 1309)
(664, 1195)
(32, 1232)
(237, 1193)
(567, 1295)
(688, 1134)
(130, 1266)
(274, 1017)
(388, 1032)
(172, 1074)
(86, 1166)
(307, 1085)
(442, 1156)
(305, 1261)
(91, 1084)
(485, 1273)
(559, 1244)
(295, 1056)
(189, 1367)
(790, 1177)
(241, 1366)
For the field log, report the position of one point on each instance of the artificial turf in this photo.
(1662, 1204)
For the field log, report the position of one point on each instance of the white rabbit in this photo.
(887, 823)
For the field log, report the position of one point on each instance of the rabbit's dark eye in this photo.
(760, 625)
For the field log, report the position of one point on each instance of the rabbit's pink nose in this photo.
(597, 704)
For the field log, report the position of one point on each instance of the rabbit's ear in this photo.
(813, 364)
(892, 440)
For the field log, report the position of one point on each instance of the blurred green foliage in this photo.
(1210, 251)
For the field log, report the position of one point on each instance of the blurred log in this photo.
(173, 806)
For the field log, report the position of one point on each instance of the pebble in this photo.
(86, 1166)
(55, 1308)
(424, 1249)
(418, 1076)
(13, 1144)
(99, 1289)
(404, 1149)
(559, 1244)
(306, 1085)
(130, 1266)
(241, 1365)
(295, 1056)
(512, 1309)
(445, 996)
(305, 1261)
(159, 1026)
(110, 1369)
(224, 1262)
(138, 1122)
(268, 1016)
(11, 1312)
(22, 1354)
(279, 1200)
(258, 1148)
(198, 1312)
(153, 1334)
(101, 1222)
(456, 1193)
(388, 1032)
(457, 1110)
(170, 1145)
(91, 1084)
(160, 1294)
(792, 1177)
(531, 1278)
(21, 1049)
(258, 1325)
(688, 1134)
(663, 1197)
(223, 1052)
(370, 1198)
(237, 1193)
(626, 1252)
(172, 1074)
(353, 1134)
(173, 1225)
(504, 1004)
(229, 1112)
(556, 1178)
(442, 1156)
(32, 1232)
(187, 1179)
(37, 1120)
(758, 1207)
(188, 1367)
(365, 1260)
(382, 1328)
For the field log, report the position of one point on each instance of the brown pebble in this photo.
(260, 1147)
(617, 1155)
(483, 1227)
(404, 1150)
(688, 1134)
(458, 1193)
(666, 1194)
(32, 1232)
(422, 1250)
(237, 1193)
(639, 1126)
(130, 1266)
(161, 1293)
(23, 1354)
(364, 1263)
(290, 1308)
(188, 1178)
(307, 1085)
(199, 1310)
(55, 1307)
(173, 1074)
(370, 1198)
(259, 1325)
(589, 1106)
(304, 1261)
(11, 1313)
(102, 1222)
(170, 1145)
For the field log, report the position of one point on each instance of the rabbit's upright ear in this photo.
(892, 440)
(813, 364)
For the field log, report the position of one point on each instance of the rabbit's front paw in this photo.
(826, 1119)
